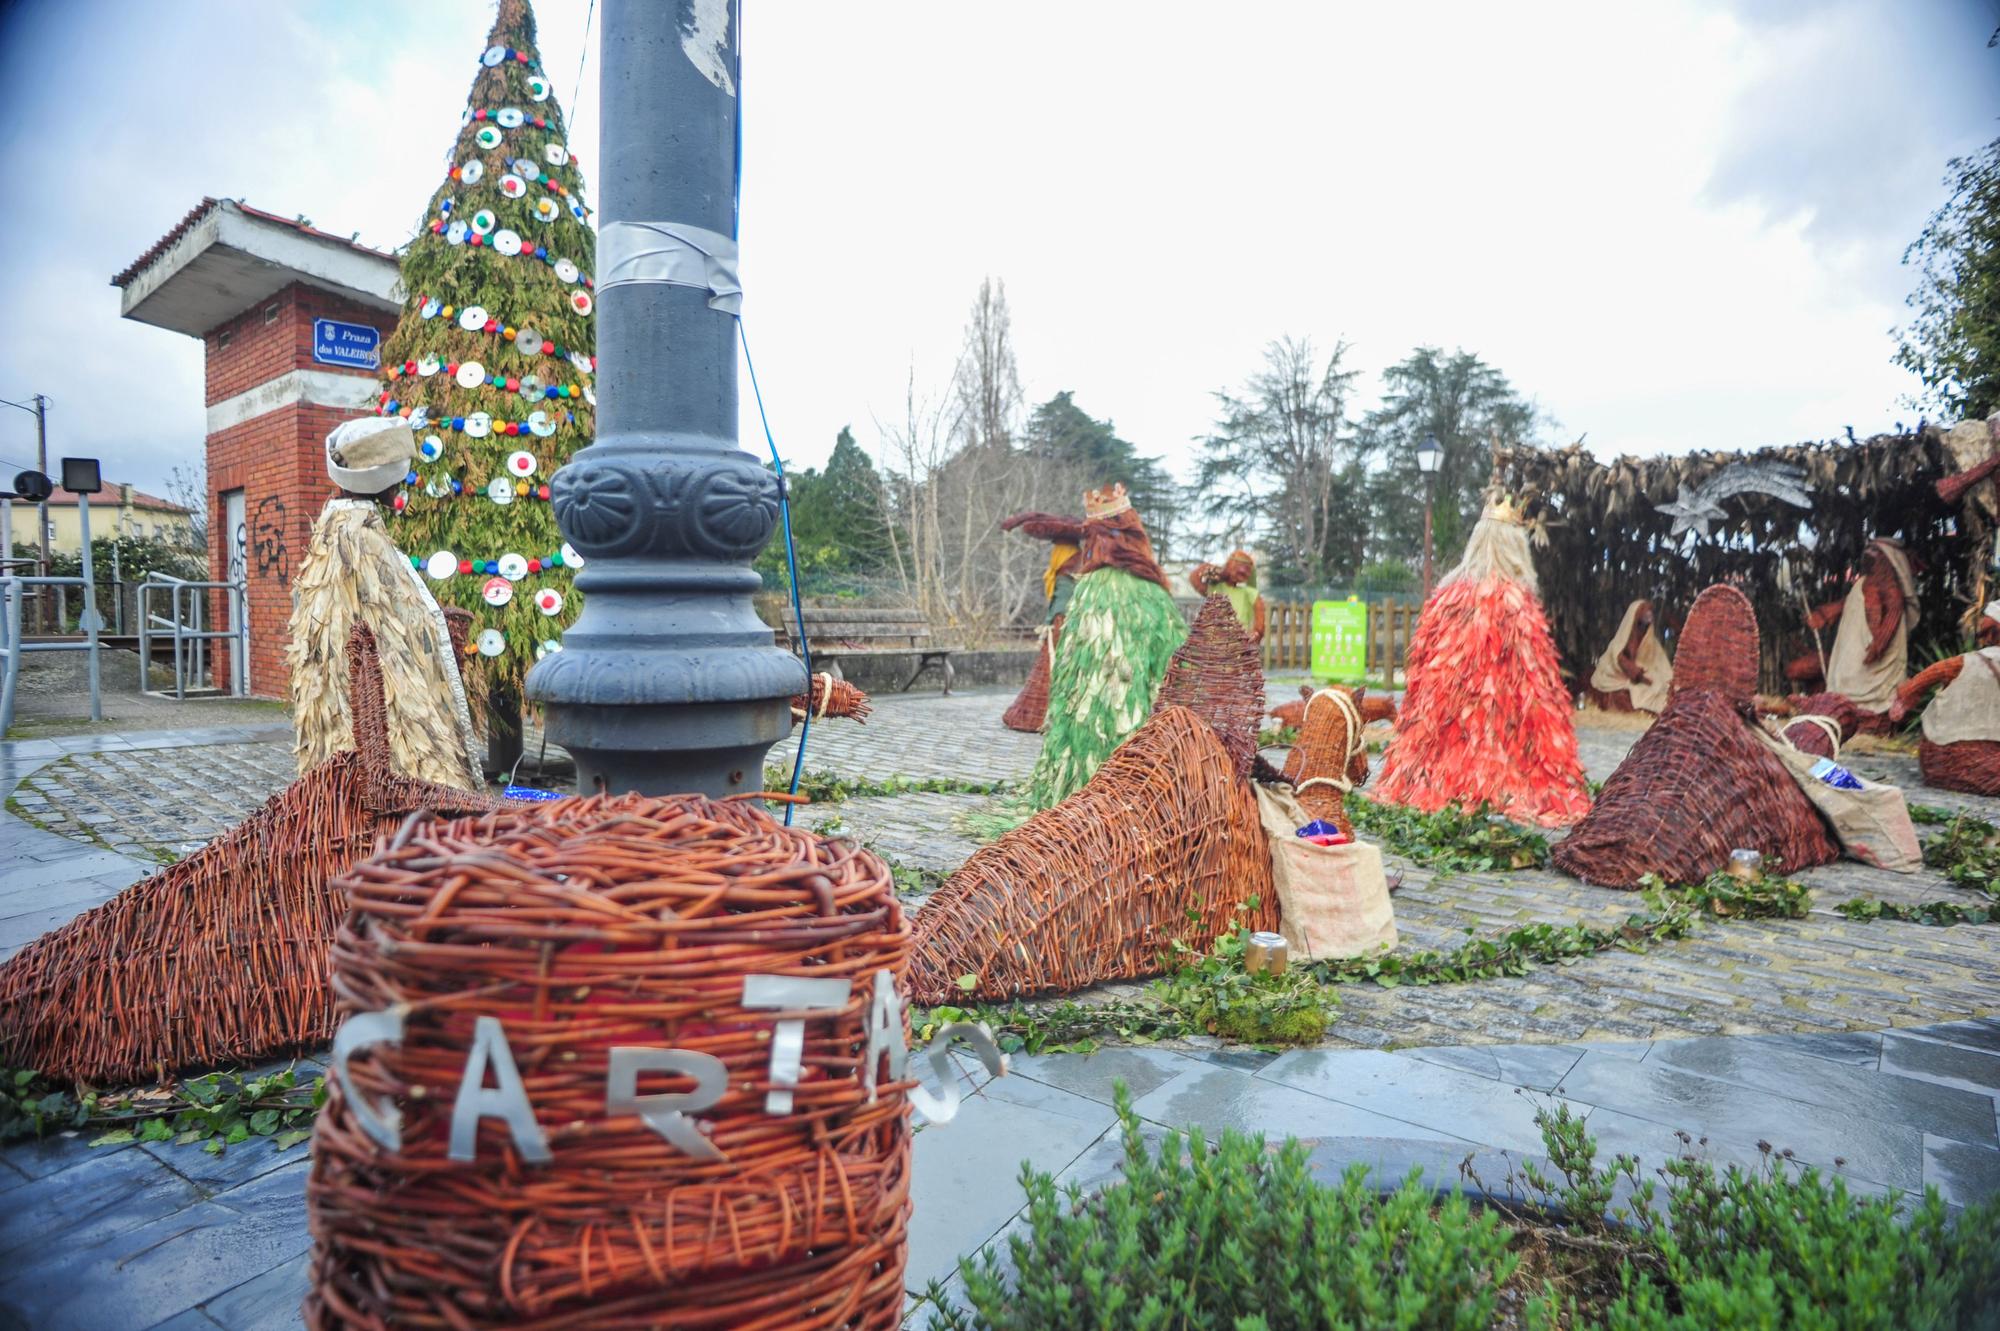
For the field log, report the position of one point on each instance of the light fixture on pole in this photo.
(1430, 456)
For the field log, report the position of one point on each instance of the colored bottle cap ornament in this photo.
(508, 243)
(472, 318)
(441, 565)
(538, 88)
(557, 154)
(577, 210)
(479, 424)
(540, 425)
(491, 643)
(513, 186)
(430, 308)
(567, 271)
(549, 601)
(455, 233)
(580, 302)
(429, 366)
(472, 172)
(500, 490)
(432, 447)
(497, 591)
(570, 556)
(513, 567)
(510, 117)
(470, 374)
(484, 221)
(546, 210)
(521, 463)
(493, 56)
(488, 137)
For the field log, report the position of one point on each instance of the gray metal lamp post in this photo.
(1430, 456)
(668, 681)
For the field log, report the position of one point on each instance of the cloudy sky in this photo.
(1676, 225)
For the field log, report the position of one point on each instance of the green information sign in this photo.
(1340, 641)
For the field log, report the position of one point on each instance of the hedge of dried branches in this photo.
(1608, 542)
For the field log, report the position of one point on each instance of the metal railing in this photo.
(13, 646)
(184, 623)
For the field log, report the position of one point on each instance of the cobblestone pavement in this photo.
(1822, 973)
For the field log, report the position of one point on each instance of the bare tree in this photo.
(187, 485)
(1280, 455)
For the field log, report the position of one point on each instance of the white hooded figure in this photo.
(353, 573)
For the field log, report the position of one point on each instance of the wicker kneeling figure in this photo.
(1960, 749)
(1699, 783)
(221, 958)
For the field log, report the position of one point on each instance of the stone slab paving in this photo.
(150, 796)
(169, 1237)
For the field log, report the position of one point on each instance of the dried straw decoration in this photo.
(1699, 783)
(1330, 757)
(1218, 674)
(1605, 527)
(583, 925)
(220, 958)
(830, 697)
(1161, 844)
(1031, 705)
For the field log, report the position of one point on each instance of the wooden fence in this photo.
(1288, 638)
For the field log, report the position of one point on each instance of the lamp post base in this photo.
(666, 749)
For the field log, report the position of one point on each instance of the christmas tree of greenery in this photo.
(492, 361)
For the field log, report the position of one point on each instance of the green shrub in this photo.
(1237, 1236)
(1232, 1236)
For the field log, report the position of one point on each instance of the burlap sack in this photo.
(1333, 901)
(1872, 824)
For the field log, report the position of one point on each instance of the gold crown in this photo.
(1502, 508)
(1106, 502)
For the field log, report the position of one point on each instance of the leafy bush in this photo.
(1232, 1236)
(1236, 1236)
(1450, 840)
(218, 1110)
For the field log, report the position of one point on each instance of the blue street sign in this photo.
(336, 343)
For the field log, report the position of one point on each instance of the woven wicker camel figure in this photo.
(221, 958)
(1699, 783)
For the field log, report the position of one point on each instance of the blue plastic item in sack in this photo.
(1835, 775)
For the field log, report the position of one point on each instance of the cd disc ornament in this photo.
(496, 348)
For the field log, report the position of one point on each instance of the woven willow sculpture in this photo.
(1160, 845)
(579, 927)
(1330, 757)
(222, 957)
(1699, 783)
(1218, 674)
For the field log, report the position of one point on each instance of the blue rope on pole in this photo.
(791, 564)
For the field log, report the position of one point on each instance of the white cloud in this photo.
(1677, 226)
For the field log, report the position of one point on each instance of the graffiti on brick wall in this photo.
(273, 556)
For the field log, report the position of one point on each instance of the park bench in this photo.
(846, 633)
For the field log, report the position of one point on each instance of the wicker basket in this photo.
(1161, 844)
(1217, 675)
(1817, 719)
(221, 958)
(584, 925)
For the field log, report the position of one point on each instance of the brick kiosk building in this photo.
(283, 312)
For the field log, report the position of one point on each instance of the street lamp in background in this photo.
(1430, 456)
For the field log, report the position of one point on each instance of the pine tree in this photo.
(492, 361)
